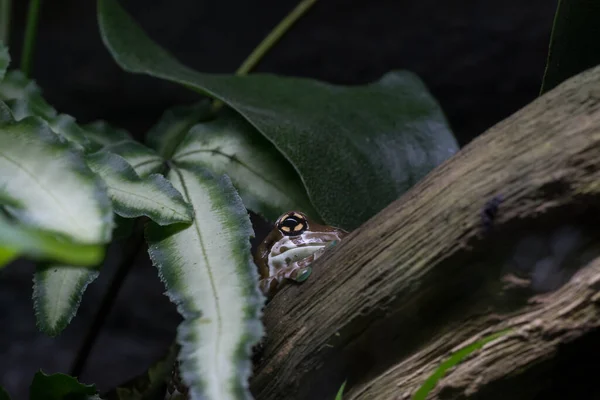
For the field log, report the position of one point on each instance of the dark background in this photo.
(482, 60)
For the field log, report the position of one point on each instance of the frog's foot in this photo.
(296, 273)
(268, 286)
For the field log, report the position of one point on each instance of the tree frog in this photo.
(289, 249)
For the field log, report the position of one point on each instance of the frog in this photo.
(287, 252)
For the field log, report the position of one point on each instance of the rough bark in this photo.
(430, 273)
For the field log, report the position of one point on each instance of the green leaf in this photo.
(144, 160)
(356, 148)
(4, 394)
(17, 239)
(57, 293)
(574, 44)
(56, 190)
(132, 197)
(454, 359)
(174, 125)
(209, 274)
(7, 255)
(60, 387)
(66, 126)
(264, 179)
(340, 392)
(63, 124)
(16, 86)
(103, 134)
(4, 60)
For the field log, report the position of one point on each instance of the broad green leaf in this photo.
(144, 160)
(174, 125)
(574, 45)
(264, 179)
(454, 359)
(57, 292)
(56, 189)
(356, 148)
(208, 271)
(17, 239)
(16, 86)
(4, 60)
(132, 196)
(4, 394)
(60, 387)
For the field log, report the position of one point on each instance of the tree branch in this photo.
(428, 274)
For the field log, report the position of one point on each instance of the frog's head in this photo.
(292, 245)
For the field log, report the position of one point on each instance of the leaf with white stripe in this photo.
(208, 271)
(16, 86)
(143, 159)
(132, 196)
(101, 133)
(62, 124)
(265, 180)
(52, 183)
(57, 293)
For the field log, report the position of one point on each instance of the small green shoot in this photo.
(454, 359)
(338, 396)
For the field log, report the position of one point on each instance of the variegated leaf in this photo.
(208, 271)
(16, 85)
(144, 160)
(51, 182)
(132, 196)
(57, 293)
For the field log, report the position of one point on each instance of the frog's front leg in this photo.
(298, 272)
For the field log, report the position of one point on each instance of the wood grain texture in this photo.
(425, 276)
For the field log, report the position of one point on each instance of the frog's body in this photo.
(288, 250)
(284, 255)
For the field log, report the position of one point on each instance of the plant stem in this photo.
(268, 42)
(33, 17)
(5, 8)
(132, 248)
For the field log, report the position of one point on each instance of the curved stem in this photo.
(33, 17)
(268, 42)
(5, 13)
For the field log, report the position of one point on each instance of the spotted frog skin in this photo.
(288, 250)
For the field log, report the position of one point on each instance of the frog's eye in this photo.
(292, 224)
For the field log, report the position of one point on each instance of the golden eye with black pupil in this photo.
(293, 224)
